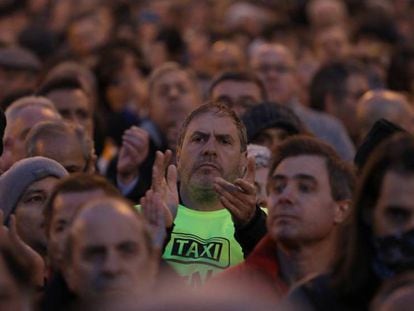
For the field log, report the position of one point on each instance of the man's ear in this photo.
(342, 211)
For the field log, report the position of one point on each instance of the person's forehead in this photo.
(236, 87)
(108, 228)
(172, 77)
(273, 54)
(67, 200)
(211, 122)
(42, 184)
(312, 165)
(60, 144)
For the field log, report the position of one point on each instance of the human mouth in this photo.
(209, 165)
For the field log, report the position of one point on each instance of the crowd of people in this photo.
(206, 155)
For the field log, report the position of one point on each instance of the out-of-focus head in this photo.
(109, 254)
(384, 104)
(24, 189)
(19, 69)
(322, 13)
(276, 67)
(173, 94)
(336, 88)
(71, 100)
(227, 56)
(63, 142)
(89, 31)
(67, 197)
(21, 116)
(74, 70)
(332, 43)
(239, 90)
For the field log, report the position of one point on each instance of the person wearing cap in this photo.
(19, 69)
(24, 189)
(268, 124)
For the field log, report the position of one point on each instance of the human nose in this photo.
(173, 92)
(209, 147)
(287, 194)
(111, 264)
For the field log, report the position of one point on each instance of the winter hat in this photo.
(271, 115)
(380, 131)
(21, 175)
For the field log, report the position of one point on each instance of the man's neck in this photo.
(300, 262)
(201, 199)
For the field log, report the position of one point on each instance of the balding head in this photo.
(109, 252)
(389, 105)
(21, 116)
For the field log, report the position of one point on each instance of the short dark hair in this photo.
(239, 76)
(341, 174)
(78, 182)
(219, 110)
(331, 79)
(61, 83)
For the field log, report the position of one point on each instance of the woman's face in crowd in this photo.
(394, 212)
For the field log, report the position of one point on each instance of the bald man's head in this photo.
(109, 252)
(384, 104)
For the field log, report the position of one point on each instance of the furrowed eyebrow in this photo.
(200, 134)
(225, 136)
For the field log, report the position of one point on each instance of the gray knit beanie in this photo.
(21, 175)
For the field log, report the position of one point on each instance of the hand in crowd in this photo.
(134, 150)
(164, 182)
(154, 210)
(239, 197)
(24, 251)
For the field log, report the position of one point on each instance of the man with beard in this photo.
(217, 222)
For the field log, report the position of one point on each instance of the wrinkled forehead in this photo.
(107, 225)
(212, 121)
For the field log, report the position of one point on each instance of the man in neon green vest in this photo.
(217, 222)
